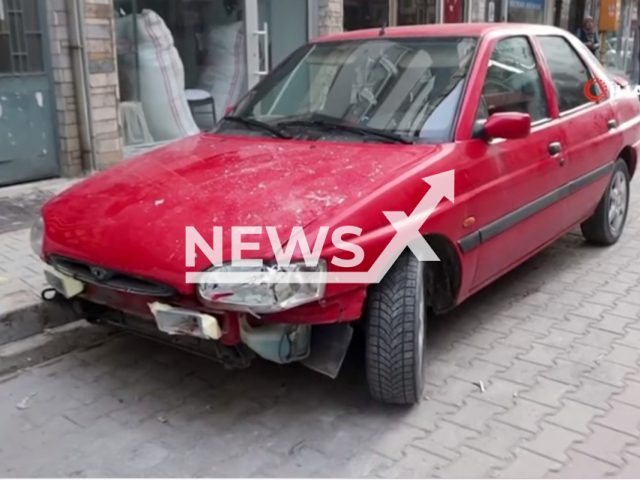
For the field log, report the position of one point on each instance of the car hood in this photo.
(132, 217)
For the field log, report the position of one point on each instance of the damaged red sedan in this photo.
(494, 140)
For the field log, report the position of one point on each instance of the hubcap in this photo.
(617, 203)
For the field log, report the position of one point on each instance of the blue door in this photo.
(28, 144)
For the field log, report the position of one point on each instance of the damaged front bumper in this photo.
(279, 343)
(231, 338)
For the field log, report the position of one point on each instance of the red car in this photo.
(520, 122)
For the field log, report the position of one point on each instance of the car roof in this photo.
(445, 30)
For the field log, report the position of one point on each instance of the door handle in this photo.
(611, 124)
(555, 148)
(265, 34)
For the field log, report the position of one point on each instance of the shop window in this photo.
(618, 45)
(180, 64)
(359, 14)
(416, 12)
(20, 38)
(477, 11)
(5, 53)
(513, 82)
(453, 11)
(526, 11)
(494, 11)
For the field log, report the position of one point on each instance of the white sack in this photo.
(225, 71)
(161, 75)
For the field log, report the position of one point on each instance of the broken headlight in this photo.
(262, 289)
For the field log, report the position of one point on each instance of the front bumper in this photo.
(223, 332)
(237, 356)
(233, 338)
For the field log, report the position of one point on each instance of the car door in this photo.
(513, 205)
(588, 124)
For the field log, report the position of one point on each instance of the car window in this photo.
(513, 82)
(404, 86)
(568, 71)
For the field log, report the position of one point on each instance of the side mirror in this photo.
(229, 110)
(508, 125)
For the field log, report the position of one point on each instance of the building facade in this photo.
(85, 84)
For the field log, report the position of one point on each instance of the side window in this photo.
(513, 82)
(568, 72)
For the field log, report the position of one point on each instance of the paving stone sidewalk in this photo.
(556, 345)
(20, 270)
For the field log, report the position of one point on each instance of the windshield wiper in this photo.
(258, 124)
(364, 131)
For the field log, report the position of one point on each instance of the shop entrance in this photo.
(417, 12)
(453, 11)
(568, 14)
(494, 11)
(28, 144)
(526, 11)
(359, 14)
(182, 63)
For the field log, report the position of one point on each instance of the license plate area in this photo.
(181, 321)
(67, 286)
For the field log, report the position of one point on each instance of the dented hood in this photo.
(132, 217)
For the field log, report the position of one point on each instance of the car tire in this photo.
(605, 226)
(395, 333)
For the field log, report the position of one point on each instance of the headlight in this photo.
(265, 289)
(37, 237)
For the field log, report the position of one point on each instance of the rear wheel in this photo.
(395, 333)
(607, 223)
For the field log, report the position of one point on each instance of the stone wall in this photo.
(66, 108)
(330, 17)
(101, 53)
(101, 56)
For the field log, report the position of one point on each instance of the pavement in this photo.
(20, 269)
(21, 275)
(23, 314)
(536, 376)
(40, 327)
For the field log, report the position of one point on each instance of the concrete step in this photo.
(23, 314)
(51, 344)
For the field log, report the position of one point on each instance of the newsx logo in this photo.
(407, 235)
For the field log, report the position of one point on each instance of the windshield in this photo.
(387, 88)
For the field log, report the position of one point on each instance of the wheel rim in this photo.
(617, 203)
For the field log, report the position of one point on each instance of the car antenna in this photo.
(382, 32)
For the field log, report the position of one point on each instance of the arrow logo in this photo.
(407, 235)
(408, 228)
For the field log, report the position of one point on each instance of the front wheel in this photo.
(607, 223)
(395, 333)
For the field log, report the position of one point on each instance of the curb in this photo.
(23, 314)
(51, 344)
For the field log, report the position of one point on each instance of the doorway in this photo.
(360, 14)
(417, 12)
(568, 14)
(27, 123)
